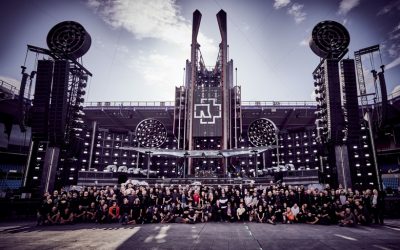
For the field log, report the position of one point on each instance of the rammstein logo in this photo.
(208, 110)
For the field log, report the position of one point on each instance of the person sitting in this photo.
(125, 212)
(136, 212)
(302, 215)
(324, 215)
(229, 213)
(241, 212)
(167, 218)
(288, 216)
(91, 212)
(156, 218)
(53, 216)
(217, 211)
(349, 218)
(44, 210)
(199, 211)
(295, 210)
(311, 218)
(207, 212)
(113, 212)
(260, 214)
(270, 215)
(102, 213)
(361, 213)
(66, 216)
(251, 213)
(80, 214)
(191, 214)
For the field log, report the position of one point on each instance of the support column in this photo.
(148, 154)
(342, 166)
(371, 135)
(49, 169)
(94, 127)
(28, 163)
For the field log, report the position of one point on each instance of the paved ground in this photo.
(199, 236)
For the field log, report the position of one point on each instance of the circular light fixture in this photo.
(262, 132)
(69, 39)
(329, 39)
(151, 133)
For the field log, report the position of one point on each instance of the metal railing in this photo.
(114, 104)
(172, 103)
(130, 104)
(8, 87)
(279, 103)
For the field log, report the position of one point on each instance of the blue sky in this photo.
(139, 47)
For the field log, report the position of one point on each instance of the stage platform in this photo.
(199, 236)
(86, 178)
(297, 177)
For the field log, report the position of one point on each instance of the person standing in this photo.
(378, 206)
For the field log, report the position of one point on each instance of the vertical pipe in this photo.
(255, 163)
(148, 164)
(49, 172)
(277, 149)
(184, 167)
(371, 135)
(179, 118)
(94, 126)
(28, 163)
(236, 139)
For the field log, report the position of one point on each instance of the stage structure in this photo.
(207, 133)
(56, 113)
(339, 124)
(205, 112)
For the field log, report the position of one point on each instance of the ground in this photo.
(20, 235)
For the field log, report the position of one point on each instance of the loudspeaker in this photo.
(41, 100)
(59, 103)
(122, 178)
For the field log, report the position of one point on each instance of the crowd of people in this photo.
(131, 204)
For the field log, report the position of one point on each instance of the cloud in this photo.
(157, 19)
(305, 42)
(347, 5)
(388, 8)
(392, 47)
(281, 3)
(296, 10)
(394, 50)
(313, 95)
(394, 63)
(158, 70)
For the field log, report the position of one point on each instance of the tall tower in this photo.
(207, 91)
(330, 41)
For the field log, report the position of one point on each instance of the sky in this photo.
(139, 47)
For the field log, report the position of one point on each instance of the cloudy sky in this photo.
(139, 47)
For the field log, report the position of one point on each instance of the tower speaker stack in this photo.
(59, 103)
(40, 107)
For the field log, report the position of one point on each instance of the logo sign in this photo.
(207, 113)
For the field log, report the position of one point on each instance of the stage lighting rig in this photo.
(151, 133)
(262, 132)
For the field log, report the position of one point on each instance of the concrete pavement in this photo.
(199, 236)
